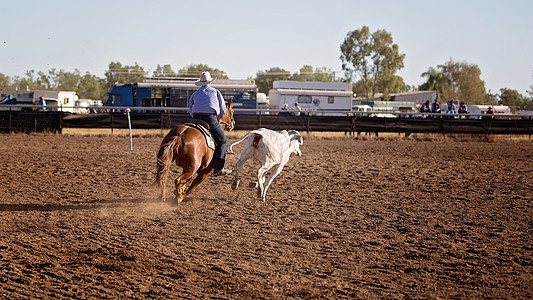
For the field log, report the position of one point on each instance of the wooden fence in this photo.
(55, 121)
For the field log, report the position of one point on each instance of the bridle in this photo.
(230, 125)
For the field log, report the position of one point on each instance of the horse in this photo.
(187, 146)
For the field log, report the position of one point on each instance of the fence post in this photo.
(529, 127)
(60, 129)
(354, 118)
(308, 124)
(442, 126)
(111, 116)
(9, 119)
(259, 119)
(161, 120)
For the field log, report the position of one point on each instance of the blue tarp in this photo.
(9, 99)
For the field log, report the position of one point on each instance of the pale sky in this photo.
(244, 37)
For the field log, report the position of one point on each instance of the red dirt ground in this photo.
(348, 219)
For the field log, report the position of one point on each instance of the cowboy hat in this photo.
(205, 79)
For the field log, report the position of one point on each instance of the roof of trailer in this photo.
(314, 92)
(191, 85)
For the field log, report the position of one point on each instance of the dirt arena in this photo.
(349, 219)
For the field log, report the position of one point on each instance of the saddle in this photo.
(203, 127)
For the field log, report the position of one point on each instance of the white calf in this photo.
(272, 149)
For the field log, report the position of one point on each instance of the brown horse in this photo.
(187, 147)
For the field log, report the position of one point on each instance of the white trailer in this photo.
(55, 100)
(316, 98)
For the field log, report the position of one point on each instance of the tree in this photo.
(374, 58)
(91, 87)
(164, 71)
(462, 82)
(124, 74)
(389, 85)
(306, 73)
(4, 82)
(511, 98)
(194, 71)
(491, 99)
(265, 79)
(434, 81)
(27, 82)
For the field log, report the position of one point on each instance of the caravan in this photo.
(54, 100)
(315, 98)
(477, 110)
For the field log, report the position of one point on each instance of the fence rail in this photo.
(248, 119)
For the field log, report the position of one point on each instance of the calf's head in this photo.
(296, 141)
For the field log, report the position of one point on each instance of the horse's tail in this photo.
(165, 156)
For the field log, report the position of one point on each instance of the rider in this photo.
(207, 104)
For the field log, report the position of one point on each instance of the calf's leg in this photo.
(275, 172)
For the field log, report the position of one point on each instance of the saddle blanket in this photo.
(208, 137)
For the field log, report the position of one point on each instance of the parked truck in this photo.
(175, 92)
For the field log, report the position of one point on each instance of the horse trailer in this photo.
(175, 92)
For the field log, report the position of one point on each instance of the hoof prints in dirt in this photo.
(347, 219)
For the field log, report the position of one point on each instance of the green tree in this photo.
(434, 81)
(324, 74)
(491, 99)
(27, 82)
(306, 73)
(462, 82)
(265, 79)
(389, 85)
(91, 87)
(374, 58)
(4, 82)
(164, 71)
(65, 81)
(124, 74)
(194, 71)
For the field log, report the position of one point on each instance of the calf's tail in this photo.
(230, 150)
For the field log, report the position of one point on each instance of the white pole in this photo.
(127, 111)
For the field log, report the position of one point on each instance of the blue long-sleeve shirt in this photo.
(207, 100)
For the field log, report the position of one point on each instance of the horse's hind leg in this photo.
(181, 183)
(202, 175)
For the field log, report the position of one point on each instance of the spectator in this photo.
(42, 102)
(425, 108)
(451, 107)
(285, 109)
(297, 109)
(435, 107)
(462, 108)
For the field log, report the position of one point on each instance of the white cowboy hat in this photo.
(205, 79)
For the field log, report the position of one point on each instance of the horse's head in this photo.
(228, 121)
